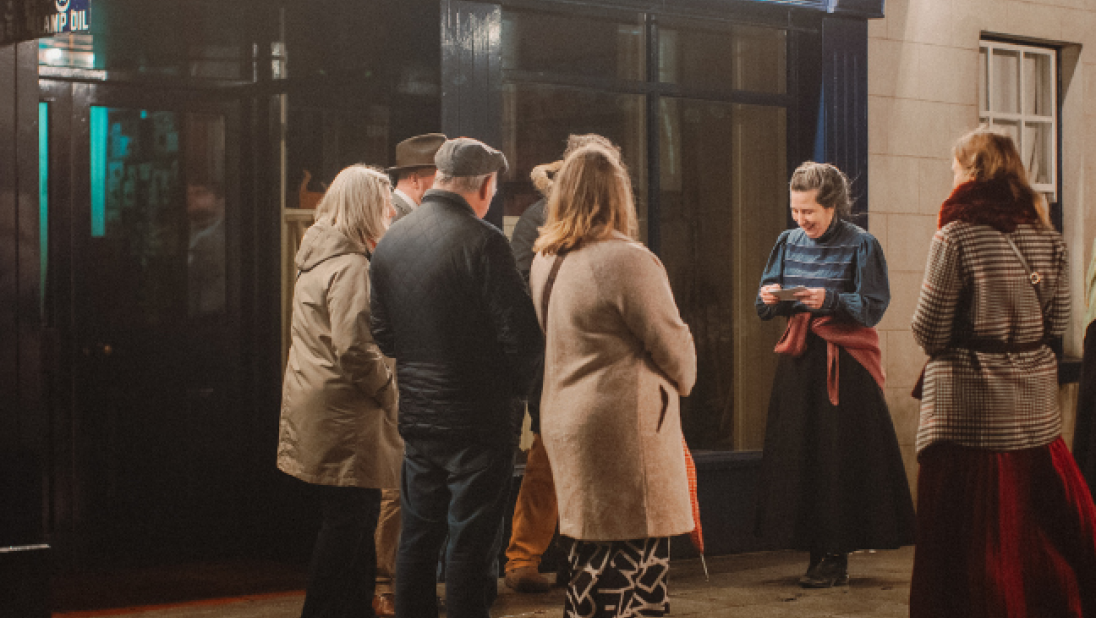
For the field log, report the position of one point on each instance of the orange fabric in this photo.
(535, 512)
(861, 342)
(697, 535)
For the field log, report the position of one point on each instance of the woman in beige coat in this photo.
(338, 425)
(618, 357)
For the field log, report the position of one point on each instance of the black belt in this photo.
(994, 346)
(989, 346)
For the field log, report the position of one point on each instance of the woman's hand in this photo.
(767, 294)
(813, 298)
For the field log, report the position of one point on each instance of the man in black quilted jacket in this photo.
(449, 305)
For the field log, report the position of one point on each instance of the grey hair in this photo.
(831, 183)
(357, 204)
(461, 184)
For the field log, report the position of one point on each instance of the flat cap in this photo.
(465, 156)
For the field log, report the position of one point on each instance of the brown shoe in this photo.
(384, 605)
(527, 579)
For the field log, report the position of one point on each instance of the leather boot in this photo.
(832, 570)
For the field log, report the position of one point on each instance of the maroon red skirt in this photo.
(1003, 535)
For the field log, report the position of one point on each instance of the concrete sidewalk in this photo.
(759, 585)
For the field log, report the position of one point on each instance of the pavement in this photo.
(761, 585)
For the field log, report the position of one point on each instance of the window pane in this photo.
(537, 120)
(723, 202)
(137, 212)
(1013, 129)
(983, 103)
(739, 57)
(1037, 85)
(1006, 78)
(205, 211)
(1036, 152)
(577, 46)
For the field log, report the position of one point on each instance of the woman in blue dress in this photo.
(832, 478)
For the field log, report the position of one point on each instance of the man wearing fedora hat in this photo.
(450, 306)
(414, 171)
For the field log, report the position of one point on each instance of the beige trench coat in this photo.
(339, 398)
(618, 356)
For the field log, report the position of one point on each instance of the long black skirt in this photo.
(832, 477)
(1084, 437)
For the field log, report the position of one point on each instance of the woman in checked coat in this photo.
(1006, 525)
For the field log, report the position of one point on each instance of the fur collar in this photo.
(991, 203)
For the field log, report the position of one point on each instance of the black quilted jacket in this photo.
(449, 305)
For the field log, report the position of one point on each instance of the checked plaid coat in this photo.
(976, 286)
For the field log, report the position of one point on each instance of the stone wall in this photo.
(923, 94)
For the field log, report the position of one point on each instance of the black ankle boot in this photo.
(832, 570)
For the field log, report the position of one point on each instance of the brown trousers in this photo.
(535, 513)
(388, 541)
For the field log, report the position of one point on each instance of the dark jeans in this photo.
(462, 490)
(343, 571)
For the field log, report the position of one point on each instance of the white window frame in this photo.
(987, 107)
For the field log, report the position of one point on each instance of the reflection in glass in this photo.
(737, 57)
(577, 46)
(136, 206)
(723, 202)
(205, 211)
(537, 120)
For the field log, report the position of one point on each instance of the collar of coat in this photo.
(991, 202)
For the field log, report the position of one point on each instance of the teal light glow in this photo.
(43, 196)
(99, 126)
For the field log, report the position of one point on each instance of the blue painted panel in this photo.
(43, 194)
(98, 171)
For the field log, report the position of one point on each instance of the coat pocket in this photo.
(665, 406)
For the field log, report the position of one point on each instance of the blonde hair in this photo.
(590, 199)
(357, 204)
(831, 183)
(986, 154)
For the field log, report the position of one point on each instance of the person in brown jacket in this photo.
(339, 399)
(618, 357)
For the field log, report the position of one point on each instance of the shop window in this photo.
(712, 58)
(561, 111)
(1017, 92)
(719, 199)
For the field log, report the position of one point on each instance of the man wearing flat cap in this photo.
(414, 171)
(449, 305)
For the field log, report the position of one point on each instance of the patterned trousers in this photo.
(618, 579)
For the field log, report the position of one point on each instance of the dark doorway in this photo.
(151, 448)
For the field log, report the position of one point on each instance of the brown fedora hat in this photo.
(418, 151)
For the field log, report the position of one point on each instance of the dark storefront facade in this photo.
(153, 172)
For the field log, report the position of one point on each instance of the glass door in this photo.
(143, 207)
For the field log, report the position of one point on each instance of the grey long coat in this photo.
(339, 398)
(618, 356)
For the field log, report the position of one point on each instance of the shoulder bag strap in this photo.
(548, 285)
(1036, 278)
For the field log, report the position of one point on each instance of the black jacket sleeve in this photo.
(378, 316)
(510, 311)
(525, 236)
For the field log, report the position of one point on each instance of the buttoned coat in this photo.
(618, 357)
(339, 398)
(976, 287)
